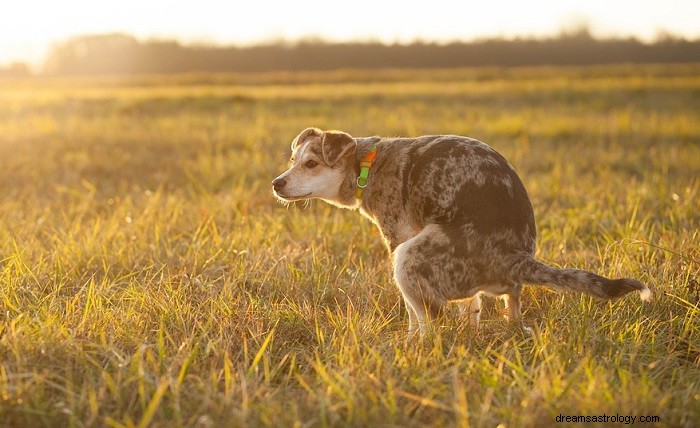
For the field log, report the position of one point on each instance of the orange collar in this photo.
(365, 165)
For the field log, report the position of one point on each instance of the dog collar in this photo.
(365, 165)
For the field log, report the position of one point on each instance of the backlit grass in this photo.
(147, 276)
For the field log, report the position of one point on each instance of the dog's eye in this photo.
(311, 164)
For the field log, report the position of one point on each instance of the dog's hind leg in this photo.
(512, 302)
(471, 307)
(513, 307)
(412, 319)
(412, 272)
(421, 308)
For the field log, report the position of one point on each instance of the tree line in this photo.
(124, 54)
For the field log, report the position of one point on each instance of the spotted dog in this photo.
(451, 210)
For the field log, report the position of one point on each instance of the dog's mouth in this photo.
(291, 198)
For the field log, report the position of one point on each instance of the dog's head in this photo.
(320, 166)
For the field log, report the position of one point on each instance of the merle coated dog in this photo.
(451, 210)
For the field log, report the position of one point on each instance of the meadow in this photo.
(149, 278)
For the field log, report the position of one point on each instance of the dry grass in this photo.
(147, 276)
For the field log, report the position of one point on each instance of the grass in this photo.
(148, 278)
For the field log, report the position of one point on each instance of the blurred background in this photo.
(78, 37)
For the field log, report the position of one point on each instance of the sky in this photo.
(28, 28)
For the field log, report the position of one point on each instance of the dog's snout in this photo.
(279, 183)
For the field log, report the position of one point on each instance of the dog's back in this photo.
(457, 182)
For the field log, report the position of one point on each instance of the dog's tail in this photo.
(529, 270)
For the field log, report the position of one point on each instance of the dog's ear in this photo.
(308, 132)
(334, 145)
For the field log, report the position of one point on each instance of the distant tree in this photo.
(123, 54)
(98, 54)
(17, 69)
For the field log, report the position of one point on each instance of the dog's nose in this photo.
(279, 183)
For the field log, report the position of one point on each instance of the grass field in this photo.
(148, 278)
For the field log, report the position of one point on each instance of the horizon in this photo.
(212, 23)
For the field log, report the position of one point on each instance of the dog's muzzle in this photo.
(278, 184)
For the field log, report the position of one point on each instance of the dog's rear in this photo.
(453, 213)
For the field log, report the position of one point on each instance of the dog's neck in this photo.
(346, 194)
(364, 145)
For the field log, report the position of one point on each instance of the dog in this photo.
(452, 212)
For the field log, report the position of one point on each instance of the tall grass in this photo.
(147, 276)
